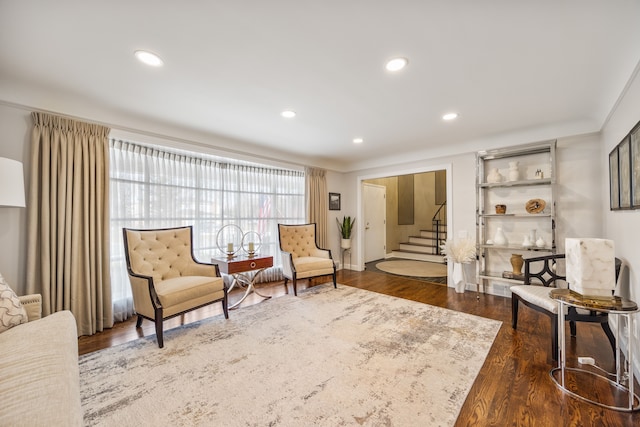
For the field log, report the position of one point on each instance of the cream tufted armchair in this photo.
(301, 256)
(166, 280)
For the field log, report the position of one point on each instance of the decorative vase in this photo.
(458, 277)
(500, 239)
(516, 263)
(494, 176)
(514, 174)
(527, 243)
(540, 242)
(501, 209)
(345, 243)
(532, 236)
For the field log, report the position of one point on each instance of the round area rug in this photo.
(413, 268)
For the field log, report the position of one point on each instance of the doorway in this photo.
(363, 234)
(375, 216)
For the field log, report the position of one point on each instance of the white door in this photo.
(375, 219)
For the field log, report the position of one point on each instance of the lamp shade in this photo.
(11, 183)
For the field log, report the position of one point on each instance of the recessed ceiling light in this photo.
(288, 114)
(450, 116)
(396, 64)
(148, 58)
(358, 140)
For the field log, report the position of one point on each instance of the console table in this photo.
(623, 309)
(244, 269)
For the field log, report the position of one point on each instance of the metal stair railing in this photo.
(436, 222)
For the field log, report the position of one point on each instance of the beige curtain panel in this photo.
(318, 203)
(68, 220)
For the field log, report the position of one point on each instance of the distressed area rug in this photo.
(329, 357)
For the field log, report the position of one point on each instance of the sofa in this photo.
(39, 377)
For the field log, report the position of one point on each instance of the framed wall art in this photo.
(614, 185)
(634, 142)
(334, 201)
(624, 171)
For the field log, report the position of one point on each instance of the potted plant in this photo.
(345, 227)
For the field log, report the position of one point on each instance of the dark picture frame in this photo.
(634, 142)
(624, 171)
(614, 184)
(334, 201)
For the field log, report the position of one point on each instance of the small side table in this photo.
(622, 308)
(345, 250)
(240, 268)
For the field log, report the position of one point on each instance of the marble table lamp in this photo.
(590, 266)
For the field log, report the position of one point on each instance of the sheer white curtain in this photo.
(155, 188)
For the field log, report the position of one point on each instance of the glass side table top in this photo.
(600, 304)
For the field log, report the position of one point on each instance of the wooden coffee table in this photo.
(245, 270)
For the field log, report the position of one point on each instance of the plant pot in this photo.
(345, 243)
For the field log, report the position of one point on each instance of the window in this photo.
(155, 188)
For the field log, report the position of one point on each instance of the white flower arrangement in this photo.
(460, 250)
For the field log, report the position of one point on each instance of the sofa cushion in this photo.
(12, 313)
(312, 266)
(39, 375)
(178, 290)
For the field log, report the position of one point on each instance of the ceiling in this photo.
(514, 70)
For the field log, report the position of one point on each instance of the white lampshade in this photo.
(11, 183)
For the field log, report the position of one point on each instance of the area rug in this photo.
(328, 357)
(413, 268)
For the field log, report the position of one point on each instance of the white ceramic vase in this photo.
(494, 176)
(514, 173)
(457, 276)
(500, 239)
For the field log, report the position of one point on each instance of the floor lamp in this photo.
(11, 183)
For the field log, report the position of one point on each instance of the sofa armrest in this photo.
(33, 305)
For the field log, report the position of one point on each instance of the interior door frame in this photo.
(396, 172)
(384, 227)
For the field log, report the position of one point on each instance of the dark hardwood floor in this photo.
(513, 387)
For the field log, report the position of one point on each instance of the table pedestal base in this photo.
(245, 280)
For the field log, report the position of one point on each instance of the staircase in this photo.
(425, 247)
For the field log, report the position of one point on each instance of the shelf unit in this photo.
(516, 223)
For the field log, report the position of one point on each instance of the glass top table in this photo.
(623, 397)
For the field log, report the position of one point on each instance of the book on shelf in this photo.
(512, 275)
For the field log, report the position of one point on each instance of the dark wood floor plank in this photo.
(513, 387)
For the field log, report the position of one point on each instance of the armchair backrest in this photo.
(544, 269)
(162, 253)
(299, 240)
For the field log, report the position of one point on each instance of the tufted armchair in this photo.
(166, 280)
(301, 256)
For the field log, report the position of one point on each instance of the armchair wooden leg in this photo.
(514, 311)
(286, 288)
(225, 307)
(295, 287)
(335, 285)
(139, 321)
(159, 336)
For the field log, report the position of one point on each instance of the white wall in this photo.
(16, 129)
(623, 227)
